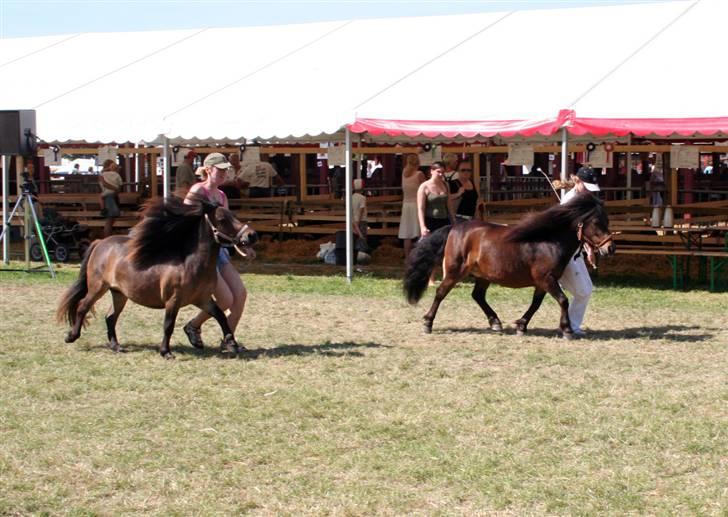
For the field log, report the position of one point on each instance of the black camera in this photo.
(28, 186)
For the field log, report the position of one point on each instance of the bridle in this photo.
(225, 240)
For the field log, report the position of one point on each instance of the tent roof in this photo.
(514, 70)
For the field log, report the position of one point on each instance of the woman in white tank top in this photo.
(412, 178)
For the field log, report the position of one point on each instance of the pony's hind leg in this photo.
(522, 323)
(95, 291)
(170, 316)
(453, 275)
(118, 301)
(228, 345)
(478, 294)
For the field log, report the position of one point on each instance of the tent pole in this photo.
(347, 190)
(564, 157)
(165, 170)
(628, 165)
(6, 187)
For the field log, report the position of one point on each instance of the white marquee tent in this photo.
(306, 82)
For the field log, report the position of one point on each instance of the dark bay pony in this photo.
(168, 262)
(533, 252)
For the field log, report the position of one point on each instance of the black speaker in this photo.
(17, 132)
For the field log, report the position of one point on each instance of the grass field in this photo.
(347, 408)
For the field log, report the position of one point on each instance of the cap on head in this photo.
(589, 178)
(216, 160)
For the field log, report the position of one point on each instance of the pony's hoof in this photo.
(169, 356)
(70, 338)
(568, 336)
(427, 329)
(229, 347)
(520, 332)
(496, 327)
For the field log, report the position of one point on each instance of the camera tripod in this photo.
(25, 202)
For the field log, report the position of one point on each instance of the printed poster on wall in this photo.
(519, 154)
(251, 155)
(52, 156)
(684, 156)
(105, 153)
(600, 158)
(337, 156)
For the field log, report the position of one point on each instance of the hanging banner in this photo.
(251, 155)
(52, 155)
(684, 156)
(105, 153)
(600, 158)
(519, 154)
(337, 156)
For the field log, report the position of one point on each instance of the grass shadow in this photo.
(339, 349)
(666, 332)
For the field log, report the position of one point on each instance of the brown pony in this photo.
(533, 252)
(169, 261)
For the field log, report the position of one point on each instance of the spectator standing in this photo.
(359, 216)
(412, 178)
(434, 206)
(235, 187)
(110, 182)
(464, 194)
(260, 178)
(451, 166)
(185, 176)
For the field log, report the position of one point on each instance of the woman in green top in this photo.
(434, 207)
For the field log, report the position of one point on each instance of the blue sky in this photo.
(20, 18)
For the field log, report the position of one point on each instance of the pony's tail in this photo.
(69, 303)
(421, 262)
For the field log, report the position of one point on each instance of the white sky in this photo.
(19, 18)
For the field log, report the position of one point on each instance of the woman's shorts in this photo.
(223, 257)
(111, 207)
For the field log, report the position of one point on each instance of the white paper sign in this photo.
(520, 155)
(52, 156)
(105, 153)
(426, 158)
(179, 156)
(337, 155)
(684, 156)
(251, 155)
(600, 158)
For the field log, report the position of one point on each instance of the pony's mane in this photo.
(547, 225)
(168, 232)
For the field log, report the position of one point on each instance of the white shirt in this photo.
(259, 174)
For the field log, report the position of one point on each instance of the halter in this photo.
(583, 239)
(225, 240)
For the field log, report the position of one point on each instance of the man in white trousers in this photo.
(576, 279)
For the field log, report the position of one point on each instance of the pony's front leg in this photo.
(478, 294)
(228, 344)
(118, 301)
(554, 289)
(522, 323)
(170, 316)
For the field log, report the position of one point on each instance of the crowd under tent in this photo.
(636, 76)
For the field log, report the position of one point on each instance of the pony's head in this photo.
(228, 231)
(592, 229)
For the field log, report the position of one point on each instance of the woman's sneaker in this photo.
(194, 334)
